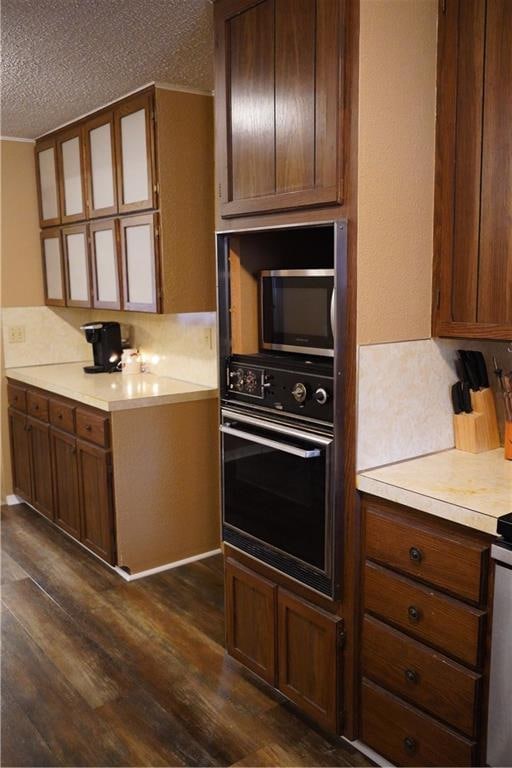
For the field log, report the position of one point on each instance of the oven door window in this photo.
(276, 497)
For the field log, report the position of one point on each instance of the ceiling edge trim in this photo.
(16, 138)
(183, 88)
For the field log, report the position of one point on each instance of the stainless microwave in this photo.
(297, 311)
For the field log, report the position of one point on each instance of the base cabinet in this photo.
(290, 643)
(67, 509)
(42, 487)
(20, 454)
(97, 509)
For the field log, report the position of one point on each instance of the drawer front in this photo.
(427, 615)
(62, 415)
(406, 736)
(448, 562)
(93, 427)
(37, 405)
(17, 397)
(422, 676)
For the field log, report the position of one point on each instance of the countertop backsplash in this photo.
(404, 407)
(185, 344)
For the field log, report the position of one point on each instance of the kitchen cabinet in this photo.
(47, 182)
(287, 641)
(149, 155)
(104, 250)
(133, 121)
(77, 266)
(473, 239)
(100, 168)
(279, 96)
(424, 627)
(53, 268)
(62, 465)
(70, 154)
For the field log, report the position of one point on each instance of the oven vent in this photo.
(281, 563)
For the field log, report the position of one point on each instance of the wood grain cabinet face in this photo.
(250, 620)
(65, 482)
(53, 268)
(104, 245)
(47, 182)
(70, 150)
(100, 165)
(135, 153)
(97, 515)
(473, 239)
(76, 260)
(20, 454)
(278, 102)
(140, 269)
(40, 447)
(308, 658)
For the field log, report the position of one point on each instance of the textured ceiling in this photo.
(62, 58)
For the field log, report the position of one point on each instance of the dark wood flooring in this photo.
(100, 672)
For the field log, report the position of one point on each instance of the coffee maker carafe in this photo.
(106, 345)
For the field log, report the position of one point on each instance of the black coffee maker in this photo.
(106, 345)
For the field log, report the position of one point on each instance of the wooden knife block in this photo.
(478, 431)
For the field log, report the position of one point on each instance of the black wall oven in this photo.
(276, 495)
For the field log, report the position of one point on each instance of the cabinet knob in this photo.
(410, 744)
(88, 427)
(29, 427)
(411, 676)
(414, 613)
(60, 415)
(416, 555)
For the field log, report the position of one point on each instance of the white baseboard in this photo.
(166, 567)
(11, 499)
(369, 752)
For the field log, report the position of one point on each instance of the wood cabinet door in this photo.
(40, 446)
(76, 261)
(70, 154)
(20, 455)
(104, 245)
(472, 239)
(47, 183)
(251, 620)
(140, 265)
(53, 268)
(100, 167)
(278, 104)
(135, 163)
(308, 664)
(96, 505)
(65, 482)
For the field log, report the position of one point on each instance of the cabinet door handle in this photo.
(416, 555)
(410, 744)
(60, 416)
(411, 676)
(414, 613)
(88, 428)
(73, 449)
(29, 427)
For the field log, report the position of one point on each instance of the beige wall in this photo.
(397, 86)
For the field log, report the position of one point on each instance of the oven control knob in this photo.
(299, 392)
(321, 396)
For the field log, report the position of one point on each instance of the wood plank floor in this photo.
(100, 672)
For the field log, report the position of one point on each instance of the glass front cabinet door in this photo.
(47, 183)
(53, 268)
(71, 176)
(139, 263)
(135, 154)
(100, 165)
(104, 244)
(76, 259)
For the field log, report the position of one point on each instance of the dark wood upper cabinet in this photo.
(100, 165)
(473, 237)
(139, 263)
(135, 154)
(278, 104)
(53, 268)
(105, 257)
(77, 267)
(47, 176)
(70, 156)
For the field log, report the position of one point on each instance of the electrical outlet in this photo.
(16, 334)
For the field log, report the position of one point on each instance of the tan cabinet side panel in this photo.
(184, 146)
(166, 483)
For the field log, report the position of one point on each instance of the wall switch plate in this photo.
(16, 334)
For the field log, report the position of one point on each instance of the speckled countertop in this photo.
(110, 391)
(466, 488)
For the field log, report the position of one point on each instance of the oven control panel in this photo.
(305, 392)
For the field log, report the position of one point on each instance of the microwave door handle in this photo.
(333, 311)
(300, 452)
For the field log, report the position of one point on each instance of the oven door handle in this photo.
(284, 447)
(333, 312)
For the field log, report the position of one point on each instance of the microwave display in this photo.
(296, 311)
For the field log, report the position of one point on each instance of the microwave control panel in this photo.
(304, 392)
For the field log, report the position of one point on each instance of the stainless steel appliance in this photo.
(297, 311)
(499, 733)
(277, 504)
(105, 338)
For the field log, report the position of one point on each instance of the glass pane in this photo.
(134, 156)
(77, 267)
(106, 266)
(72, 177)
(101, 167)
(48, 183)
(140, 265)
(53, 267)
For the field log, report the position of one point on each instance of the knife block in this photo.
(483, 402)
(477, 432)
